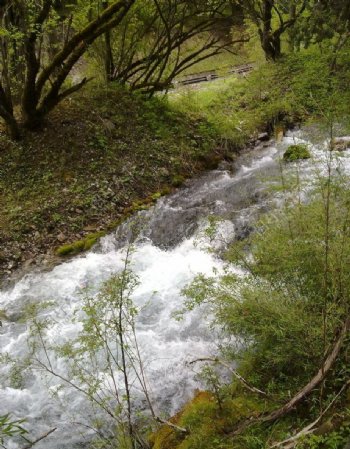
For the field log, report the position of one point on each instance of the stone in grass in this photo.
(296, 152)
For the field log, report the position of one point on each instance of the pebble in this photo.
(61, 237)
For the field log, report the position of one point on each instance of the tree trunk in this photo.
(270, 41)
(109, 62)
(33, 121)
(13, 129)
(291, 32)
(6, 112)
(271, 45)
(29, 105)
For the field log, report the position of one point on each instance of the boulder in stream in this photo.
(341, 143)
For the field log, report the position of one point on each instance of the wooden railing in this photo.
(212, 75)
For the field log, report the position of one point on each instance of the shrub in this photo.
(296, 152)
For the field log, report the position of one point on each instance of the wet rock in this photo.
(263, 137)
(164, 172)
(28, 263)
(3, 256)
(90, 228)
(225, 165)
(341, 143)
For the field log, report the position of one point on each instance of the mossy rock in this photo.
(156, 196)
(80, 245)
(177, 181)
(296, 152)
(192, 414)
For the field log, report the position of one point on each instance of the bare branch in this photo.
(40, 438)
(316, 380)
(173, 426)
(233, 371)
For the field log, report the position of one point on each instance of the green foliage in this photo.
(159, 41)
(10, 427)
(282, 315)
(295, 275)
(296, 152)
(103, 362)
(332, 440)
(301, 86)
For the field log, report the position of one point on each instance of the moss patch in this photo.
(209, 425)
(177, 181)
(79, 245)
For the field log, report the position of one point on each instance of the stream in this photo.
(170, 250)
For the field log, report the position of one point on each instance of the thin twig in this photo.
(40, 438)
(233, 371)
(168, 423)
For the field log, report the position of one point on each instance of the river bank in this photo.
(96, 162)
(88, 168)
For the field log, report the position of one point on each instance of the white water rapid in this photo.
(168, 254)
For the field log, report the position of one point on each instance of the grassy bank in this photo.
(107, 153)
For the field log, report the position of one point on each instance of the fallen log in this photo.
(306, 390)
(315, 381)
(310, 428)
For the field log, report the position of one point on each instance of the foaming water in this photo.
(169, 252)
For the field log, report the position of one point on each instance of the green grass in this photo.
(236, 108)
